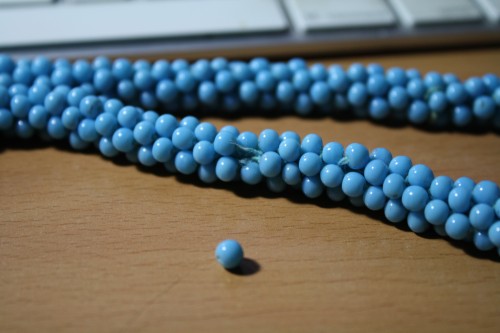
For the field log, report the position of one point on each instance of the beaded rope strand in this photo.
(108, 104)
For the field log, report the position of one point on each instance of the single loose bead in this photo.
(485, 192)
(231, 129)
(331, 175)
(206, 173)
(128, 116)
(381, 154)
(123, 140)
(185, 163)
(417, 223)
(247, 140)
(375, 172)
(420, 175)
(229, 254)
(357, 73)
(312, 187)
(332, 152)
(415, 198)
(269, 140)
(310, 164)
(86, 130)
(106, 147)
(150, 116)
(82, 71)
(183, 138)
(270, 164)
(394, 211)
(23, 129)
(55, 128)
(38, 117)
(145, 156)
(291, 174)
(481, 216)
(374, 198)
(203, 152)
(379, 108)
(224, 143)
(494, 233)
(482, 241)
(393, 186)
(357, 156)
(227, 168)
(434, 81)
(250, 173)
(144, 132)
(441, 187)
(289, 150)
(357, 94)
(457, 226)
(162, 150)
(165, 125)
(353, 184)
(459, 199)
(436, 212)
(113, 106)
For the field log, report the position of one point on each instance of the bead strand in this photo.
(61, 104)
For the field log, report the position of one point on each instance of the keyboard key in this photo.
(71, 23)
(491, 9)
(313, 15)
(429, 12)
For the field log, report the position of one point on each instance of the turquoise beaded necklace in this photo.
(109, 104)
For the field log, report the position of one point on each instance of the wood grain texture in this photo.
(93, 245)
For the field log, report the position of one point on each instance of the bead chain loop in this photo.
(103, 103)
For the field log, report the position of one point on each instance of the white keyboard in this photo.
(241, 27)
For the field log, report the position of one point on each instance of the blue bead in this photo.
(275, 184)
(6, 63)
(229, 254)
(101, 62)
(179, 65)
(185, 81)
(161, 70)
(331, 175)
(419, 112)
(302, 80)
(22, 75)
(40, 80)
(75, 96)
(457, 226)
(462, 116)
(144, 131)
(250, 173)
(441, 187)
(353, 184)
(248, 92)
(285, 92)
(450, 78)
(225, 81)
(496, 207)
(357, 94)
(303, 104)
(459, 199)
(113, 106)
(296, 64)
(290, 135)
(398, 98)
(417, 223)
(270, 164)
(394, 211)
(396, 76)
(456, 93)
(227, 169)
(338, 81)
(312, 143)
(434, 81)
(375, 172)
(281, 71)
(128, 116)
(55, 103)
(190, 122)
(219, 64)
(87, 131)
(185, 163)
(374, 198)
(437, 101)
(225, 143)
(150, 116)
(491, 81)
(23, 129)
(38, 117)
(291, 174)
(265, 81)
(416, 88)
(162, 149)
(312, 187)
(289, 150)
(126, 90)
(494, 233)
(481, 216)
(465, 182)
(122, 69)
(393, 186)
(377, 85)
(400, 165)
(55, 128)
(106, 147)
(259, 64)
(320, 93)
(475, 87)
(206, 173)
(201, 70)
(436, 212)
(415, 198)
(241, 71)
(482, 241)
(318, 72)
(310, 164)
(485, 192)
(207, 93)
(103, 80)
(123, 140)
(335, 194)
(18, 89)
(203, 152)
(382, 154)
(166, 91)
(145, 156)
(165, 125)
(90, 107)
(374, 68)
(484, 107)
(205, 131)
(6, 119)
(37, 93)
(269, 140)
(183, 138)
(357, 73)
(76, 142)
(357, 156)
(420, 175)
(71, 117)
(20, 106)
(4, 96)
(82, 71)
(379, 108)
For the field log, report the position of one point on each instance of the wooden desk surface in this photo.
(90, 245)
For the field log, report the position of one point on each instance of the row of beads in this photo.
(461, 209)
(404, 95)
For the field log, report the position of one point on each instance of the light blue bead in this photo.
(357, 94)
(22, 75)
(494, 233)
(320, 93)
(338, 81)
(289, 135)
(76, 142)
(82, 71)
(398, 98)
(144, 132)
(484, 107)
(318, 72)
(113, 106)
(185, 81)
(415, 198)
(148, 100)
(75, 96)
(394, 211)
(37, 93)
(190, 122)
(165, 125)
(106, 147)
(225, 81)
(71, 117)
(353, 184)
(269, 140)
(248, 92)
(183, 138)
(106, 124)
(456, 93)
(20, 106)
(357, 73)
(434, 81)
(418, 113)
(291, 174)
(55, 102)
(6, 119)
(297, 63)
(482, 241)
(303, 104)
(436, 212)
(382, 154)
(247, 140)
(420, 175)
(90, 107)
(38, 117)
(126, 90)
(206, 173)
(396, 76)
(331, 175)
(450, 78)
(492, 81)
(475, 87)
(310, 164)
(393, 186)
(464, 182)
(241, 71)
(312, 187)
(375, 172)
(377, 85)
(150, 116)
(379, 108)
(335, 194)
(166, 91)
(128, 116)
(289, 150)
(207, 93)
(417, 223)
(416, 88)
(23, 129)
(457, 226)
(225, 143)
(250, 173)
(203, 152)
(285, 92)
(462, 116)
(123, 140)
(185, 163)
(162, 150)
(438, 102)
(312, 143)
(145, 156)
(459, 199)
(259, 64)
(270, 164)
(202, 70)
(275, 184)
(374, 68)
(205, 131)
(302, 80)
(122, 69)
(18, 89)
(485, 192)
(161, 70)
(55, 128)
(101, 62)
(357, 156)
(229, 254)
(141, 64)
(227, 169)
(86, 130)
(281, 71)
(441, 187)
(374, 198)
(265, 81)
(481, 216)
(103, 80)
